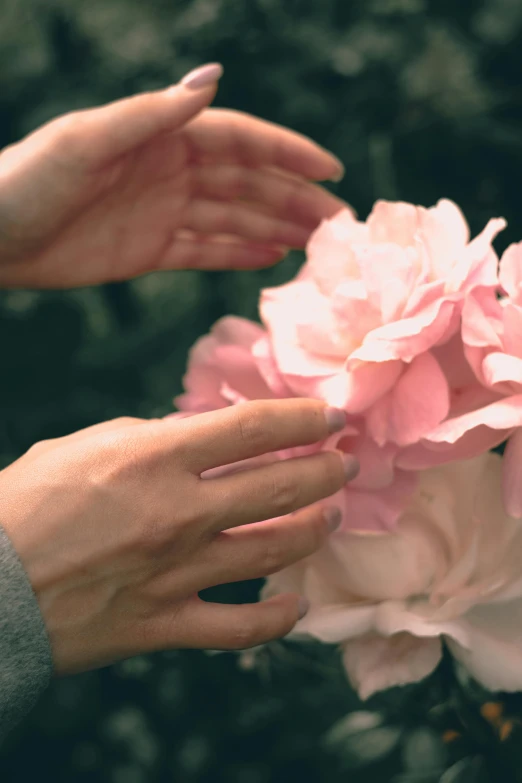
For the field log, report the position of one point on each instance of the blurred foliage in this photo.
(421, 99)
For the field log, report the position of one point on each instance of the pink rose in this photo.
(492, 339)
(234, 363)
(451, 572)
(359, 324)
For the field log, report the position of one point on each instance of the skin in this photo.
(118, 531)
(115, 527)
(157, 181)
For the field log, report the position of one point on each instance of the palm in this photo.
(225, 190)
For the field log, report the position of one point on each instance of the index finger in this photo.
(223, 134)
(250, 429)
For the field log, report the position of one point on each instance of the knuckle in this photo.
(153, 533)
(284, 493)
(40, 448)
(256, 424)
(125, 421)
(244, 635)
(66, 130)
(274, 556)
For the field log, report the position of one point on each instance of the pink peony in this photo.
(360, 324)
(492, 340)
(452, 572)
(234, 363)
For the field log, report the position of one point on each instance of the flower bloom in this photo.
(492, 343)
(450, 572)
(234, 363)
(360, 324)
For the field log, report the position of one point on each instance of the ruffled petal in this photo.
(416, 404)
(493, 655)
(374, 663)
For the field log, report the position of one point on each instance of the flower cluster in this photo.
(415, 330)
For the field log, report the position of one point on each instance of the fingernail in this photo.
(203, 76)
(351, 466)
(333, 517)
(339, 175)
(335, 419)
(303, 605)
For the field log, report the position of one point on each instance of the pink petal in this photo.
(423, 455)
(374, 663)
(512, 328)
(511, 272)
(445, 233)
(501, 368)
(409, 337)
(376, 462)
(376, 510)
(393, 222)
(388, 276)
(482, 320)
(415, 405)
(232, 330)
(478, 264)
(501, 415)
(283, 310)
(366, 383)
(328, 251)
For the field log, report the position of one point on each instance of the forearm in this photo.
(25, 654)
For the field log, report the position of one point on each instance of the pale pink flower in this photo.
(234, 363)
(357, 326)
(451, 572)
(492, 339)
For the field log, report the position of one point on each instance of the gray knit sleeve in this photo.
(25, 653)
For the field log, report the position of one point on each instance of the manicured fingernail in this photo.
(333, 517)
(335, 419)
(303, 605)
(203, 76)
(351, 466)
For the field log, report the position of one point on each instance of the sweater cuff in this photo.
(26, 663)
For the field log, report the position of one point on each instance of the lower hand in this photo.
(156, 181)
(118, 532)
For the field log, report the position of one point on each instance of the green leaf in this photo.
(423, 751)
(361, 738)
(467, 770)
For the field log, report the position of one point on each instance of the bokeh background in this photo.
(421, 99)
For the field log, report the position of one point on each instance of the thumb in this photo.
(118, 127)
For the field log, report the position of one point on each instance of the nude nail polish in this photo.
(203, 76)
(303, 606)
(333, 517)
(335, 419)
(351, 466)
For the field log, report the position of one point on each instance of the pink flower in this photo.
(492, 339)
(359, 324)
(234, 363)
(452, 571)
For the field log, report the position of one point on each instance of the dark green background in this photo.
(421, 99)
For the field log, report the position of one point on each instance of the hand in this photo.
(118, 532)
(156, 181)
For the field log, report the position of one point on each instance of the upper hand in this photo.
(156, 181)
(118, 532)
